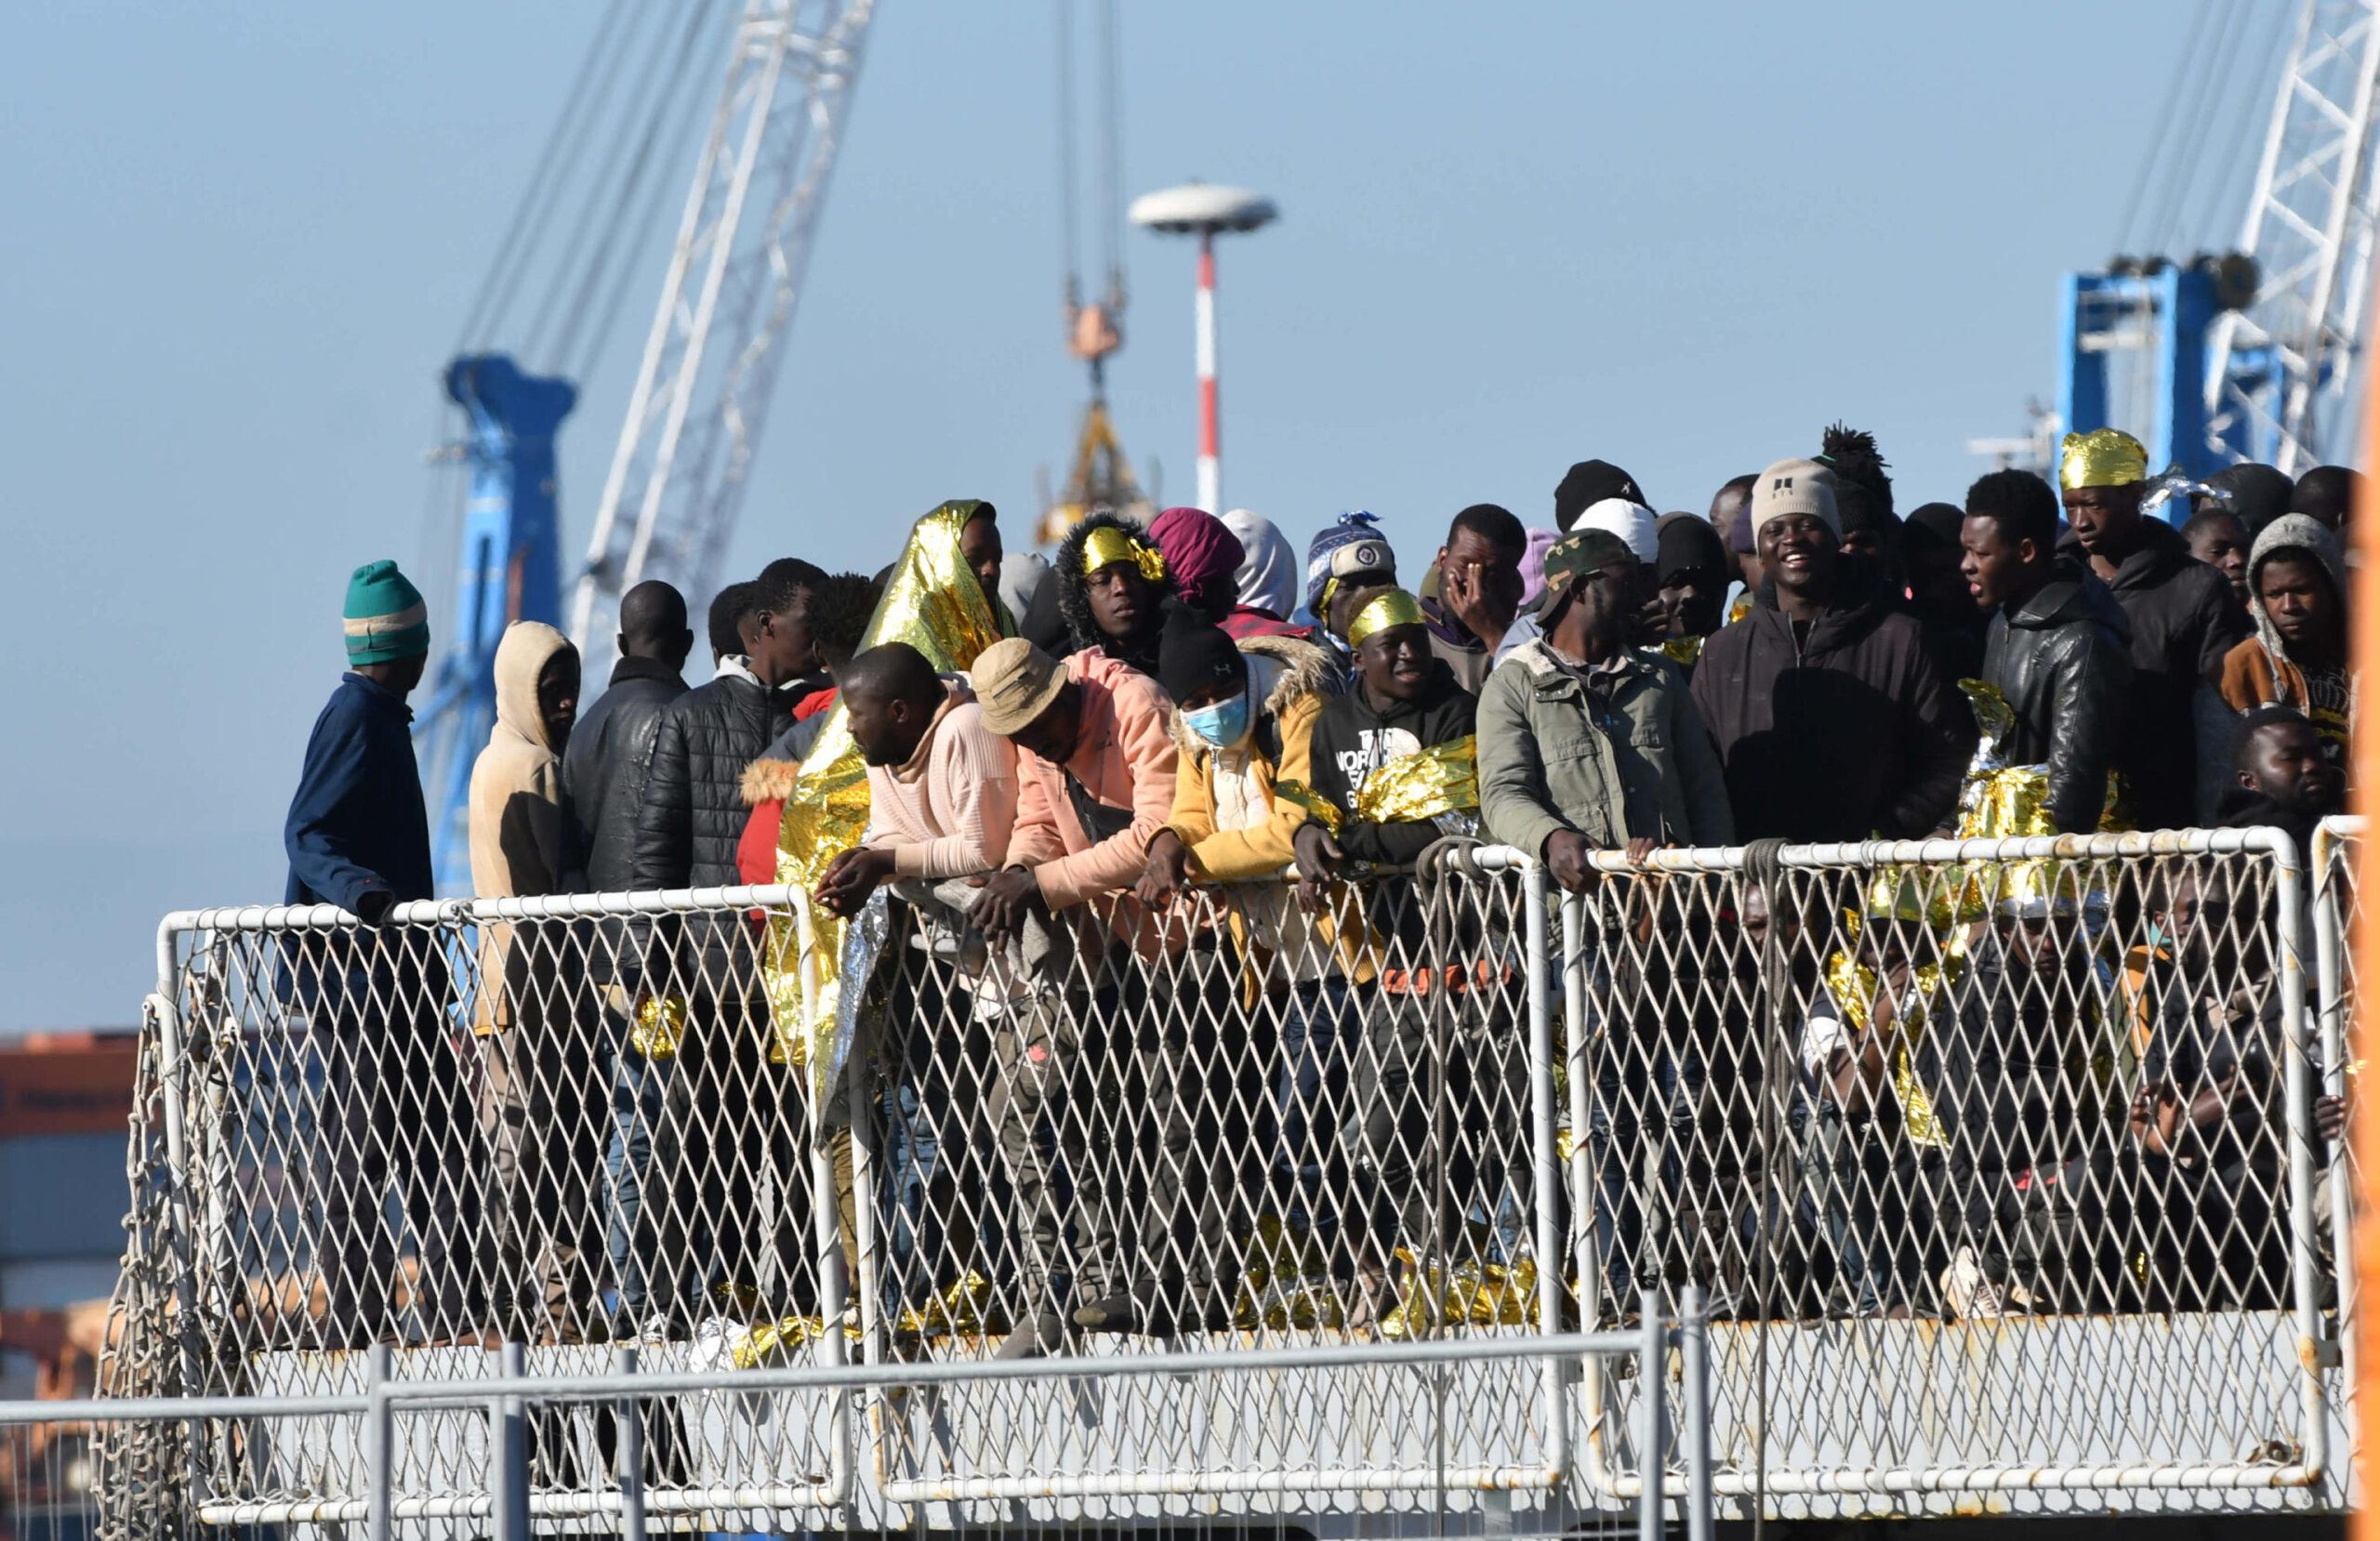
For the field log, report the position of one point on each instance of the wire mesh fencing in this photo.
(2010, 1159)
(1992, 1159)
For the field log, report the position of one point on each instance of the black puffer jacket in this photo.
(2061, 659)
(693, 816)
(604, 769)
(1848, 732)
(2184, 618)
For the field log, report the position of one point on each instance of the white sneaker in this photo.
(1968, 1292)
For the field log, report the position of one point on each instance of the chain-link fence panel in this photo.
(559, 1124)
(2336, 848)
(2005, 1163)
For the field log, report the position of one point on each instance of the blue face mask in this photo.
(1222, 724)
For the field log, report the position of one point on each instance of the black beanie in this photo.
(1193, 656)
(1688, 545)
(2259, 493)
(1933, 526)
(1588, 484)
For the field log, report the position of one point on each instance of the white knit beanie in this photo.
(1633, 523)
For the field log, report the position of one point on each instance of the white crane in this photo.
(2284, 374)
(711, 359)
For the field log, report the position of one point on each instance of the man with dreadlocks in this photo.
(1112, 589)
(1863, 499)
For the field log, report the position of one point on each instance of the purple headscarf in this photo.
(1202, 557)
(1533, 565)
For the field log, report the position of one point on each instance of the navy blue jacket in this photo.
(357, 822)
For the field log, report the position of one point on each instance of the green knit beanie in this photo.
(386, 619)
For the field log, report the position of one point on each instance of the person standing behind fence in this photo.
(2298, 656)
(1479, 590)
(1095, 774)
(941, 805)
(2182, 614)
(2056, 649)
(358, 836)
(1826, 710)
(1587, 743)
(536, 1095)
(1405, 707)
(603, 774)
(726, 1114)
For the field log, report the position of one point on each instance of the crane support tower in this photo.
(2257, 354)
(711, 359)
(2283, 372)
(510, 569)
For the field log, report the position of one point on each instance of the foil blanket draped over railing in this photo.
(1987, 1192)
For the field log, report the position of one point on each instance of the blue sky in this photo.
(243, 239)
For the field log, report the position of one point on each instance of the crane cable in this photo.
(546, 179)
(664, 84)
(1111, 153)
(2163, 133)
(1064, 10)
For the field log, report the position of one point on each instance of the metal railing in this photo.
(1925, 1119)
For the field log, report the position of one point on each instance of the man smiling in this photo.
(1829, 716)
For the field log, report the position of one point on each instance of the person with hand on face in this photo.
(2298, 656)
(1585, 743)
(1693, 577)
(2056, 649)
(358, 836)
(2216, 537)
(1479, 590)
(2183, 617)
(1112, 589)
(1096, 766)
(1826, 708)
(536, 1092)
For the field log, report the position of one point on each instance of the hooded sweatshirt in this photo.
(1268, 574)
(1122, 766)
(1837, 733)
(2259, 671)
(521, 828)
(1074, 598)
(2184, 621)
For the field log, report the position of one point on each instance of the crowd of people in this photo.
(1189, 704)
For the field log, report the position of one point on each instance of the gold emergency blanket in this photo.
(1428, 783)
(1853, 985)
(932, 602)
(1471, 1294)
(2004, 802)
(2103, 457)
(1685, 652)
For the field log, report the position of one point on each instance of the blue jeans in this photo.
(639, 1089)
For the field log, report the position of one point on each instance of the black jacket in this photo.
(1851, 731)
(693, 816)
(2184, 619)
(603, 770)
(2060, 658)
(1351, 741)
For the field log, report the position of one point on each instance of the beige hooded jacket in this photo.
(519, 827)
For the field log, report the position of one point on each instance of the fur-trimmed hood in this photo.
(769, 780)
(1283, 668)
(1074, 598)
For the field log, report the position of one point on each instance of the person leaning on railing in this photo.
(1587, 744)
(942, 807)
(358, 836)
(1095, 772)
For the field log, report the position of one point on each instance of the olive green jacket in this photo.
(1551, 758)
